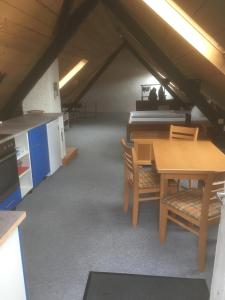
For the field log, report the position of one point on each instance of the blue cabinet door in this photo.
(11, 201)
(38, 144)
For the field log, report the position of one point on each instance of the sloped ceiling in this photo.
(27, 28)
(184, 56)
(95, 40)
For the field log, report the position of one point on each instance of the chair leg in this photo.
(135, 209)
(163, 223)
(202, 243)
(126, 196)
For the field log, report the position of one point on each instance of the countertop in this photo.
(9, 221)
(26, 122)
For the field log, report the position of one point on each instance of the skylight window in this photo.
(188, 29)
(72, 73)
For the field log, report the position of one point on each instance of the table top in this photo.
(189, 156)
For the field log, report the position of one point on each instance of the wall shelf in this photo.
(21, 154)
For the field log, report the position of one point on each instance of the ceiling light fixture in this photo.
(185, 26)
(72, 73)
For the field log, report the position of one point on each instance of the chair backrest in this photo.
(184, 133)
(144, 151)
(127, 155)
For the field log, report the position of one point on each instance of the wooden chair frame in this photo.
(131, 167)
(144, 151)
(184, 133)
(200, 227)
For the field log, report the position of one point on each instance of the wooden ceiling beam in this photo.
(63, 16)
(57, 45)
(163, 82)
(99, 72)
(185, 85)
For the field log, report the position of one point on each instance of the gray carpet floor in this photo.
(75, 223)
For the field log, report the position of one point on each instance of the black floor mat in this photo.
(113, 286)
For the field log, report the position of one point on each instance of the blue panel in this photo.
(38, 143)
(11, 201)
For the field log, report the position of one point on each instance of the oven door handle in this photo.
(7, 157)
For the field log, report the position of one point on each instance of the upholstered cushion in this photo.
(189, 202)
(148, 179)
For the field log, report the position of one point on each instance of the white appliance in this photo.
(54, 146)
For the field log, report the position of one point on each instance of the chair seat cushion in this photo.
(149, 179)
(190, 202)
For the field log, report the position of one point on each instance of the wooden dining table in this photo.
(181, 156)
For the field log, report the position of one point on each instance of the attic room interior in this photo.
(112, 149)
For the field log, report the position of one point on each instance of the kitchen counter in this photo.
(26, 122)
(9, 221)
(12, 283)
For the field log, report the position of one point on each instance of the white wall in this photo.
(41, 97)
(118, 88)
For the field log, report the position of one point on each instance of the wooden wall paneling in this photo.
(48, 57)
(63, 17)
(51, 5)
(17, 17)
(211, 18)
(17, 31)
(22, 45)
(15, 56)
(208, 14)
(190, 6)
(147, 18)
(35, 10)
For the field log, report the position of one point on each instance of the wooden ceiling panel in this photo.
(51, 5)
(35, 10)
(148, 20)
(191, 7)
(209, 15)
(22, 45)
(17, 17)
(26, 30)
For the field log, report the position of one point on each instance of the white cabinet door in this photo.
(12, 285)
(54, 146)
(218, 281)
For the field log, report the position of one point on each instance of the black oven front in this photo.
(9, 179)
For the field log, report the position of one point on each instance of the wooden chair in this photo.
(144, 151)
(144, 182)
(184, 133)
(192, 209)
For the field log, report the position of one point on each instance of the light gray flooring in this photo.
(75, 223)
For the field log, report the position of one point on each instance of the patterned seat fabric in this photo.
(148, 179)
(189, 202)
